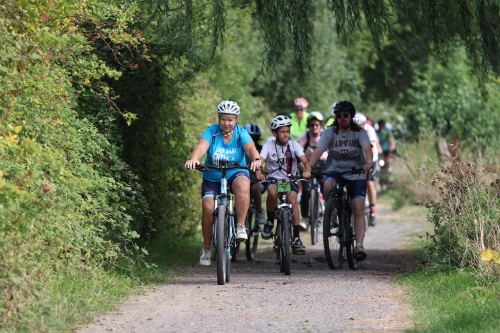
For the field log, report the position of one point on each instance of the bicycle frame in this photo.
(344, 235)
(284, 230)
(223, 229)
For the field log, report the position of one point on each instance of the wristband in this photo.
(257, 159)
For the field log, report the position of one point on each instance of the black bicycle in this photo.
(252, 232)
(224, 227)
(338, 224)
(284, 229)
(314, 216)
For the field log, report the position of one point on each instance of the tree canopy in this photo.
(288, 25)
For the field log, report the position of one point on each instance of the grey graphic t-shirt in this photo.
(344, 152)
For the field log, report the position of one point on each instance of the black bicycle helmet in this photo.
(345, 106)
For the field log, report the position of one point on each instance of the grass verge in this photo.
(75, 297)
(452, 301)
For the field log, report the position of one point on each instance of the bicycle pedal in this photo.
(299, 252)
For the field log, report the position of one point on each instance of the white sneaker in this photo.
(205, 259)
(241, 233)
(303, 224)
(261, 218)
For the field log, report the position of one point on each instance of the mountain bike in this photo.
(253, 235)
(284, 231)
(224, 227)
(315, 208)
(338, 224)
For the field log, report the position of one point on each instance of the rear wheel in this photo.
(313, 215)
(235, 251)
(220, 242)
(332, 239)
(253, 235)
(286, 242)
(350, 243)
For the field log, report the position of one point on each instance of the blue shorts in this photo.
(355, 188)
(262, 186)
(211, 189)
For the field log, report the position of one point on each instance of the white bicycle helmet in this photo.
(359, 118)
(228, 107)
(253, 129)
(280, 121)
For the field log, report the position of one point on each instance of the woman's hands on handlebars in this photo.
(191, 164)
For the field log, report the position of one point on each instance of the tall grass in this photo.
(412, 171)
(463, 197)
(466, 214)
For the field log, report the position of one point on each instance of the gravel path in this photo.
(259, 298)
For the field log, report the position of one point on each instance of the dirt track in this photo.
(259, 298)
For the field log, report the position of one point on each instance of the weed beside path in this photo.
(260, 298)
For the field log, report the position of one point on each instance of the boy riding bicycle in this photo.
(257, 188)
(281, 157)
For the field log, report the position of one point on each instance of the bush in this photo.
(466, 213)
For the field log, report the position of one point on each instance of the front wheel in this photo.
(220, 244)
(286, 242)
(332, 239)
(313, 215)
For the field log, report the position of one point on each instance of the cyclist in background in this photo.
(348, 147)
(299, 117)
(387, 142)
(256, 187)
(360, 119)
(281, 157)
(224, 141)
(309, 140)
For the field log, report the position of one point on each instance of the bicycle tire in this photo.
(332, 239)
(220, 244)
(253, 236)
(279, 246)
(286, 243)
(235, 251)
(313, 215)
(232, 245)
(350, 241)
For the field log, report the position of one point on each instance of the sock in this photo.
(372, 208)
(296, 230)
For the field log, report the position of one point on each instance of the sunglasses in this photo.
(342, 114)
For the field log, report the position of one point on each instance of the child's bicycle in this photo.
(338, 224)
(253, 229)
(284, 230)
(224, 227)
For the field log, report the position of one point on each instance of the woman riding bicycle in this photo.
(224, 141)
(348, 147)
(309, 141)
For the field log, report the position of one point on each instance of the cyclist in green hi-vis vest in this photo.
(299, 117)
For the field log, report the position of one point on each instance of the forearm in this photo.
(197, 153)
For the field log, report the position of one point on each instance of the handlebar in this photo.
(292, 178)
(202, 167)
